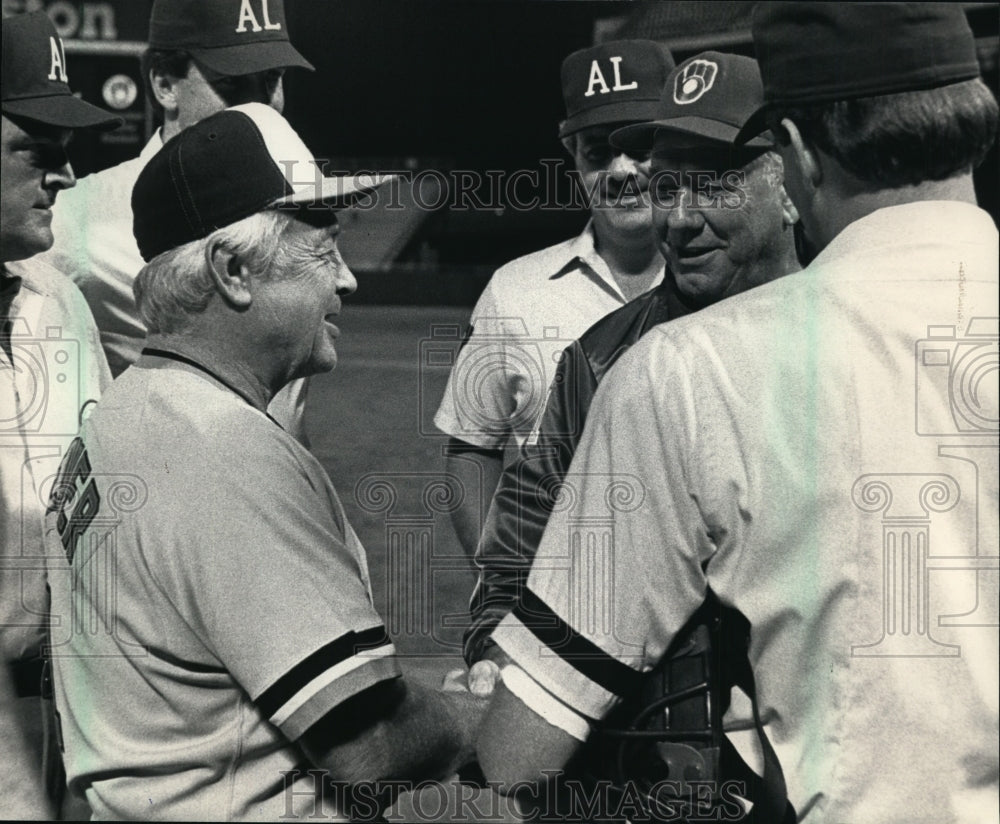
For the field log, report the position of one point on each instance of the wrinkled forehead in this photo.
(709, 157)
(311, 227)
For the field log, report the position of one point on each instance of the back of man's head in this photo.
(905, 104)
(889, 92)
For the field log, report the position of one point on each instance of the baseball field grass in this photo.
(370, 425)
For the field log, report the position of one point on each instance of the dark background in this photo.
(436, 85)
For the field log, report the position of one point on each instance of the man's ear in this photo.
(789, 214)
(806, 158)
(230, 275)
(164, 88)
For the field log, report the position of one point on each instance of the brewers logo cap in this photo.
(613, 82)
(821, 52)
(238, 162)
(228, 37)
(707, 98)
(34, 83)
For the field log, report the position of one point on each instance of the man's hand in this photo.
(483, 678)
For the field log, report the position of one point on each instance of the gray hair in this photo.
(177, 283)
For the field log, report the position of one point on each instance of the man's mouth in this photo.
(693, 256)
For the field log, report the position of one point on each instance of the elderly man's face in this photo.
(300, 302)
(720, 229)
(33, 168)
(203, 93)
(616, 182)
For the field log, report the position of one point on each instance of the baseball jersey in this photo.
(210, 603)
(94, 246)
(52, 370)
(530, 311)
(822, 452)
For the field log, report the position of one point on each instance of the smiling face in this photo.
(33, 169)
(615, 183)
(299, 301)
(721, 229)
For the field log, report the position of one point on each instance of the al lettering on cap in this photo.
(614, 82)
(228, 37)
(34, 82)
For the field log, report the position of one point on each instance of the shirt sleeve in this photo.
(524, 499)
(619, 567)
(268, 573)
(481, 398)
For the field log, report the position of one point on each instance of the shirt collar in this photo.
(152, 147)
(581, 253)
(910, 226)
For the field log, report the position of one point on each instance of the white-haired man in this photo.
(242, 645)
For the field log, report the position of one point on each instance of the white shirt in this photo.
(52, 372)
(530, 311)
(821, 451)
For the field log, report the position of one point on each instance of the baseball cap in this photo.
(231, 165)
(707, 98)
(821, 52)
(613, 82)
(229, 37)
(34, 82)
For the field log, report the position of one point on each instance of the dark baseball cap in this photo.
(233, 164)
(229, 37)
(707, 99)
(613, 82)
(34, 83)
(821, 52)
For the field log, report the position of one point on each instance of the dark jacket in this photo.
(524, 497)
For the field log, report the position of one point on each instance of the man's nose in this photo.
(346, 283)
(683, 219)
(60, 177)
(624, 165)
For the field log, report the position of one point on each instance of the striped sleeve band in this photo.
(564, 662)
(330, 675)
(543, 703)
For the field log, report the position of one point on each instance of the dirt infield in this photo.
(370, 425)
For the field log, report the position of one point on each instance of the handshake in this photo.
(481, 678)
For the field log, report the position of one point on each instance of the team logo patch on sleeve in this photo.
(696, 79)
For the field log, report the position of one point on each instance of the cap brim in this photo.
(755, 125)
(621, 112)
(64, 111)
(332, 192)
(687, 131)
(250, 58)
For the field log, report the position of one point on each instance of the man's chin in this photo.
(26, 245)
(637, 219)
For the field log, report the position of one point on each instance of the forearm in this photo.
(399, 730)
(477, 472)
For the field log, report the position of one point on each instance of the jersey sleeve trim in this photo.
(579, 652)
(336, 687)
(313, 673)
(544, 704)
(567, 665)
